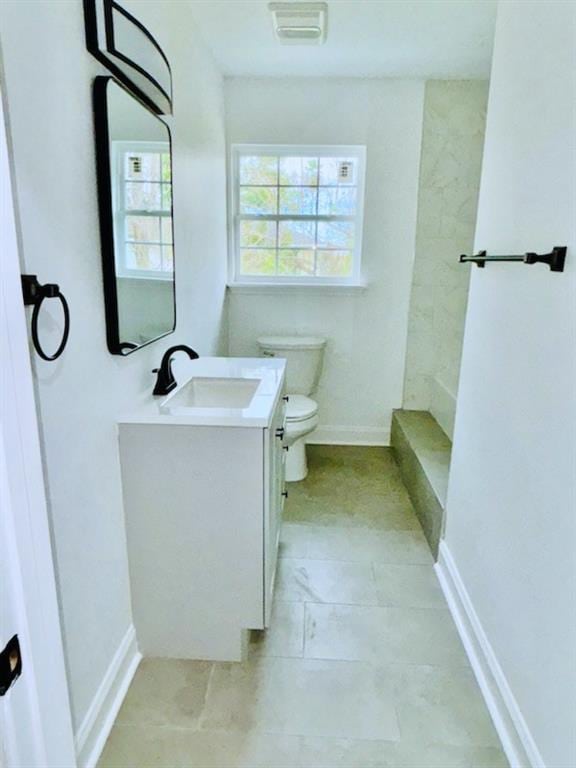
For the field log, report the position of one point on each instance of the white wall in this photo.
(366, 331)
(511, 513)
(452, 141)
(48, 76)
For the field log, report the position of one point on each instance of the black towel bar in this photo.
(555, 259)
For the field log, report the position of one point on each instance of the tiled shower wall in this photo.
(452, 143)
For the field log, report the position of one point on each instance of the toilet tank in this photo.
(304, 356)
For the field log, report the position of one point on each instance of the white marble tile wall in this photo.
(452, 143)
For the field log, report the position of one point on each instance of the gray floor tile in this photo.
(408, 586)
(442, 705)
(166, 692)
(346, 753)
(351, 487)
(294, 540)
(361, 545)
(325, 581)
(382, 635)
(165, 747)
(358, 511)
(302, 697)
(285, 637)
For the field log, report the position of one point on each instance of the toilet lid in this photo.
(300, 407)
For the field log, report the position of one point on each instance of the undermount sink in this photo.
(208, 392)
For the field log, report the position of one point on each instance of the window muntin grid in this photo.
(295, 217)
(143, 210)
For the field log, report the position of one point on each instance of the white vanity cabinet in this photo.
(203, 506)
(274, 496)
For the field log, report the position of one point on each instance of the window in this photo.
(143, 209)
(297, 214)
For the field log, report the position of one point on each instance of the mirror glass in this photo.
(140, 295)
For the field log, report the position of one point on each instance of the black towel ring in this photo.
(34, 294)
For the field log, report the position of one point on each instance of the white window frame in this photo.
(119, 147)
(357, 152)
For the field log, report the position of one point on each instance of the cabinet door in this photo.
(273, 504)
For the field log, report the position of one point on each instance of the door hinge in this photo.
(10, 665)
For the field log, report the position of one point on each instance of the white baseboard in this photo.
(337, 435)
(443, 406)
(517, 741)
(97, 724)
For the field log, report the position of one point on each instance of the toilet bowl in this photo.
(304, 356)
(301, 420)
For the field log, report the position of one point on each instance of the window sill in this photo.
(148, 277)
(276, 289)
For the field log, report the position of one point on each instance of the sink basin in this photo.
(205, 392)
(217, 392)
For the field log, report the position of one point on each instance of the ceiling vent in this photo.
(299, 23)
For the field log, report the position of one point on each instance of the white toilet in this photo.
(304, 356)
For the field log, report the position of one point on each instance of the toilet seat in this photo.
(300, 408)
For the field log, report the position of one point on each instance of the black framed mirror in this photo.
(134, 169)
(123, 44)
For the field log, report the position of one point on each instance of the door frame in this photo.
(35, 714)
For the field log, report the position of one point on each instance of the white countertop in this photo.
(270, 372)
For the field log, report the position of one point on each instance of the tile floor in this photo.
(362, 668)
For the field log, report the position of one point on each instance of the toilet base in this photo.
(296, 464)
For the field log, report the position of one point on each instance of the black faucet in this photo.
(166, 382)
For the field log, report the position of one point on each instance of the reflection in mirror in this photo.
(135, 190)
